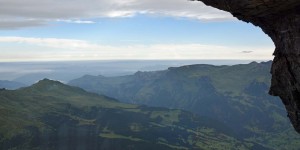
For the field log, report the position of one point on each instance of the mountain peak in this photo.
(46, 81)
(51, 85)
(48, 86)
(253, 62)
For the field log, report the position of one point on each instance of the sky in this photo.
(55, 30)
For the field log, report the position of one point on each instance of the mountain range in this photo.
(236, 96)
(51, 115)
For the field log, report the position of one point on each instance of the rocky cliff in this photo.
(280, 19)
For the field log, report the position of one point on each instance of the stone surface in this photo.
(280, 19)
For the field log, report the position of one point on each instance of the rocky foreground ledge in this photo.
(280, 19)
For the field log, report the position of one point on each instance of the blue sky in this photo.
(127, 29)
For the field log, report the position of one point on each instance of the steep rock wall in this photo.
(280, 19)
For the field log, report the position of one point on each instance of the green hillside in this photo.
(235, 95)
(51, 115)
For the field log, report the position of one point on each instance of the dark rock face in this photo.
(280, 19)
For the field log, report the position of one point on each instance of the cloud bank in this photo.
(52, 49)
(24, 13)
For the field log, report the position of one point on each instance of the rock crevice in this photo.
(280, 19)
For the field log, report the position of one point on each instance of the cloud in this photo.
(49, 42)
(50, 10)
(71, 49)
(76, 21)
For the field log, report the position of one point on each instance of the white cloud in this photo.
(76, 21)
(70, 49)
(50, 10)
(50, 42)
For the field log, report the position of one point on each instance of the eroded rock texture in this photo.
(280, 19)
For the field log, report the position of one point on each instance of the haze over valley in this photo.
(64, 71)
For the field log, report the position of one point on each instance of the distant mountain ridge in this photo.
(235, 95)
(51, 115)
(11, 85)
